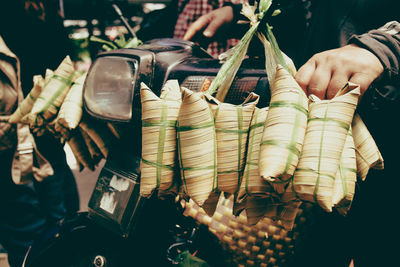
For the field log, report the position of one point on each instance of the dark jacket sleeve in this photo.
(384, 93)
(385, 44)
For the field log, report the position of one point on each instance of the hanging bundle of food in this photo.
(367, 153)
(93, 149)
(253, 187)
(53, 93)
(284, 131)
(71, 110)
(197, 147)
(327, 129)
(346, 177)
(159, 117)
(80, 151)
(20, 114)
(232, 123)
(99, 134)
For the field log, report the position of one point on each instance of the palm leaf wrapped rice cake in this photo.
(232, 123)
(99, 133)
(255, 195)
(26, 106)
(159, 117)
(327, 129)
(53, 93)
(367, 152)
(197, 147)
(71, 110)
(94, 151)
(284, 132)
(346, 177)
(80, 151)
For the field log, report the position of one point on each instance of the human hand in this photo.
(326, 73)
(211, 22)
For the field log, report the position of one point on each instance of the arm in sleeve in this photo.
(385, 44)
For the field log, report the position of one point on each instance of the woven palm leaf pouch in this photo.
(54, 90)
(367, 153)
(284, 132)
(71, 110)
(197, 146)
(327, 129)
(27, 104)
(232, 124)
(159, 117)
(255, 195)
(80, 150)
(346, 177)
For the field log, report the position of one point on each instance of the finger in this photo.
(338, 81)
(363, 80)
(304, 74)
(196, 26)
(319, 82)
(213, 27)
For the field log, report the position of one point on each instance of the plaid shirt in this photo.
(192, 10)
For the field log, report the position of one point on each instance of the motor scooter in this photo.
(122, 228)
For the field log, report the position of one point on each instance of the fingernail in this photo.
(207, 33)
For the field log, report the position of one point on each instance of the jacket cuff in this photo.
(385, 44)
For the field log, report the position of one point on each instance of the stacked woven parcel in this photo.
(53, 93)
(22, 112)
(232, 124)
(70, 113)
(284, 132)
(367, 152)
(255, 195)
(197, 148)
(55, 104)
(346, 176)
(327, 129)
(159, 117)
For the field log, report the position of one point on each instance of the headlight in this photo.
(110, 87)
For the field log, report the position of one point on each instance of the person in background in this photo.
(174, 20)
(332, 42)
(34, 32)
(190, 10)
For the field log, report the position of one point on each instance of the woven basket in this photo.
(265, 244)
